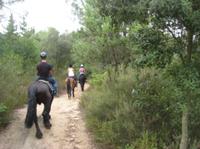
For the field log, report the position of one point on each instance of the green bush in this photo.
(3, 114)
(12, 88)
(147, 141)
(120, 112)
(97, 79)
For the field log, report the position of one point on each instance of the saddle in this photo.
(48, 84)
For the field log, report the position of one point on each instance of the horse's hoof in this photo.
(47, 125)
(48, 115)
(39, 135)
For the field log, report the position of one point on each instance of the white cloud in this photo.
(46, 13)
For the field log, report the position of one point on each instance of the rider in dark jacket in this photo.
(44, 72)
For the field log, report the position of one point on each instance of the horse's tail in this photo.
(31, 111)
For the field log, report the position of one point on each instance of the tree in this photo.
(103, 35)
(58, 47)
(11, 27)
(180, 20)
(23, 26)
(168, 29)
(7, 2)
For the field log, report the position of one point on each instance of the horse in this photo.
(71, 84)
(82, 80)
(38, 92)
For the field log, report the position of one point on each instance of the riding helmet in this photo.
(43, 54)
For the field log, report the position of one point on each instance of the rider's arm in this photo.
(68, 72)
(50, 70)
(37, 70)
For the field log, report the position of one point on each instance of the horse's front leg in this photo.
(68, 90)
(38, 131)
(46, 116)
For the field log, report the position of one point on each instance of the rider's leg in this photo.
(53, 82)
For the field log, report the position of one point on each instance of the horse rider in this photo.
(82, 70)
(82, 76)
(71, 73)
(45, 72)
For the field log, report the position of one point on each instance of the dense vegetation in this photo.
(147, 52)
(20, 47)
(145, 73)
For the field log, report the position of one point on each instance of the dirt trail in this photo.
(68, 128)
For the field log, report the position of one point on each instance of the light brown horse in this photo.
(71, 84)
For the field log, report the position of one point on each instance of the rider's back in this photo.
(70, 72)
(82, 70)
(43, 69)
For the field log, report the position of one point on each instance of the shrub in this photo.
(121, 112)
(11, 90)
(3, 114)
(97, 78)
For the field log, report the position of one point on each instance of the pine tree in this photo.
(11, 28)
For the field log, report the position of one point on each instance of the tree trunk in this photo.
(185, 115)
(189, 45)
(184, 136)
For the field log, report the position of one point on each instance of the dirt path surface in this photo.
(68, 128)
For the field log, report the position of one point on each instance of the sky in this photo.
(42, 14)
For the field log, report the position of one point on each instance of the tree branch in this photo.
(83, 4)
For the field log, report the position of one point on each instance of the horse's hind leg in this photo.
(32, 113)
(38, 131)
(46, 116)
(43, 113)
(69, 93)
(81, 87)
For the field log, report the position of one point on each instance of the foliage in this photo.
(11, 70)
(121, 112)
(3, 114)
(147, 141)
(58, 47)
(101, 42)
(125, 109)
(148, 33)
(97, 79)
(156, 48)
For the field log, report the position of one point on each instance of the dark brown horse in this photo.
(82, 80)
(71, 84)
(38, 92)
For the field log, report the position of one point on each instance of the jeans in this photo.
(54, 84)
